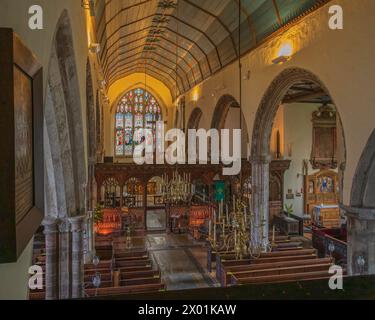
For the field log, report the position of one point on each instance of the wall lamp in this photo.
(284, 54)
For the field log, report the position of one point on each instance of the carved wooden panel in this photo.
(323, 154)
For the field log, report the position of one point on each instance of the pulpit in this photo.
(286, 225)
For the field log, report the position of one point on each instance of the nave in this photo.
(162, 146)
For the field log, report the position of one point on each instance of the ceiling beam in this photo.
(120, 62)
(108, 55)
(304, 96)
(217, 18)
(159, 46)
(162, 15)
(157, 69)
(173, 43)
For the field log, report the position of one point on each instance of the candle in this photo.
(214, 234)
(273, 234)
(227, 214)
(209, 229)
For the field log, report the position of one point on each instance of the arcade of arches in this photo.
(120, 74)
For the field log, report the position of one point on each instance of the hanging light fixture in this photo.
(176, 190)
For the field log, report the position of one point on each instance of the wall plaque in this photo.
(21, 145)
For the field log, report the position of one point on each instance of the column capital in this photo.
(359, 212)
(50, 224)
(77, 223)
(260, 159)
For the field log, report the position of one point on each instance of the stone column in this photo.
(260, 189)
(51, 272)
(64, 259)
(145, 203)
(77, 224)
(89, 226)
(361, 240)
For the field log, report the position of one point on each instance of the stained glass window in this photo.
(136, 111)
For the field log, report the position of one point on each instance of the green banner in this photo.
(219, 194)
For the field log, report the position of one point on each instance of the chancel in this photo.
(265, 177)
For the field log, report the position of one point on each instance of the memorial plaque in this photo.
(21, 145)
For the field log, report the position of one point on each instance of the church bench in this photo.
(107, 276)
(127, 282)
(37, 295)
(125, 290)
(128, 254)
(132, 263)
(274, 254)
(260, 261)
(314, 275)
(211, 253)
(146, 267)
(285, 249)
(130, 258)
(287, 244)
(228, 271)
(101, 265)
(282, 271)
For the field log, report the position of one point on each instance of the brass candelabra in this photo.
(235, 230)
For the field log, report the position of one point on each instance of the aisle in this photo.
(181, 260)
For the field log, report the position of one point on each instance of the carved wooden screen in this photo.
(323, 154)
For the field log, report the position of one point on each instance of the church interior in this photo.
(201, 88)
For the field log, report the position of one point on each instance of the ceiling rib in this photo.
(170, 41)
(159, 46)
(154, 53)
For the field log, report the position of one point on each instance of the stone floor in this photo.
(156, 219)
(182, 261)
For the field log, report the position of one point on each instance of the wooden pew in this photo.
(230, 259)
(240, 270)
(125, 290)
(313, 275)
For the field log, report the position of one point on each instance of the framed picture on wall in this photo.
(21, 143)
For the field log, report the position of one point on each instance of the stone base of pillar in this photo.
(51, 239)
(361, 240)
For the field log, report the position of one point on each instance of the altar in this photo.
(326, 216)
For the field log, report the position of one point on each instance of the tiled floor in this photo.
(181, 261)
(156, 219)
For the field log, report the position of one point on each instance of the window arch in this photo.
(137, 110)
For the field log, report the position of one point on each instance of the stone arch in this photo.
(261, 137)
(361, 214)
(363, 187)
(221, 110)
(195, 118)
(91, 135)
(98, 125)
(64, 128)
(221, 114)
(90, 114)
(65, 166)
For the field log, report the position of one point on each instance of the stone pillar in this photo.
(145, 203)
(64, 259)
(260, 189)
(77, 224)
(51, 272)
(361, 240)
(121, 196)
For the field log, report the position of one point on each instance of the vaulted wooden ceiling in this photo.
(186, 40)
